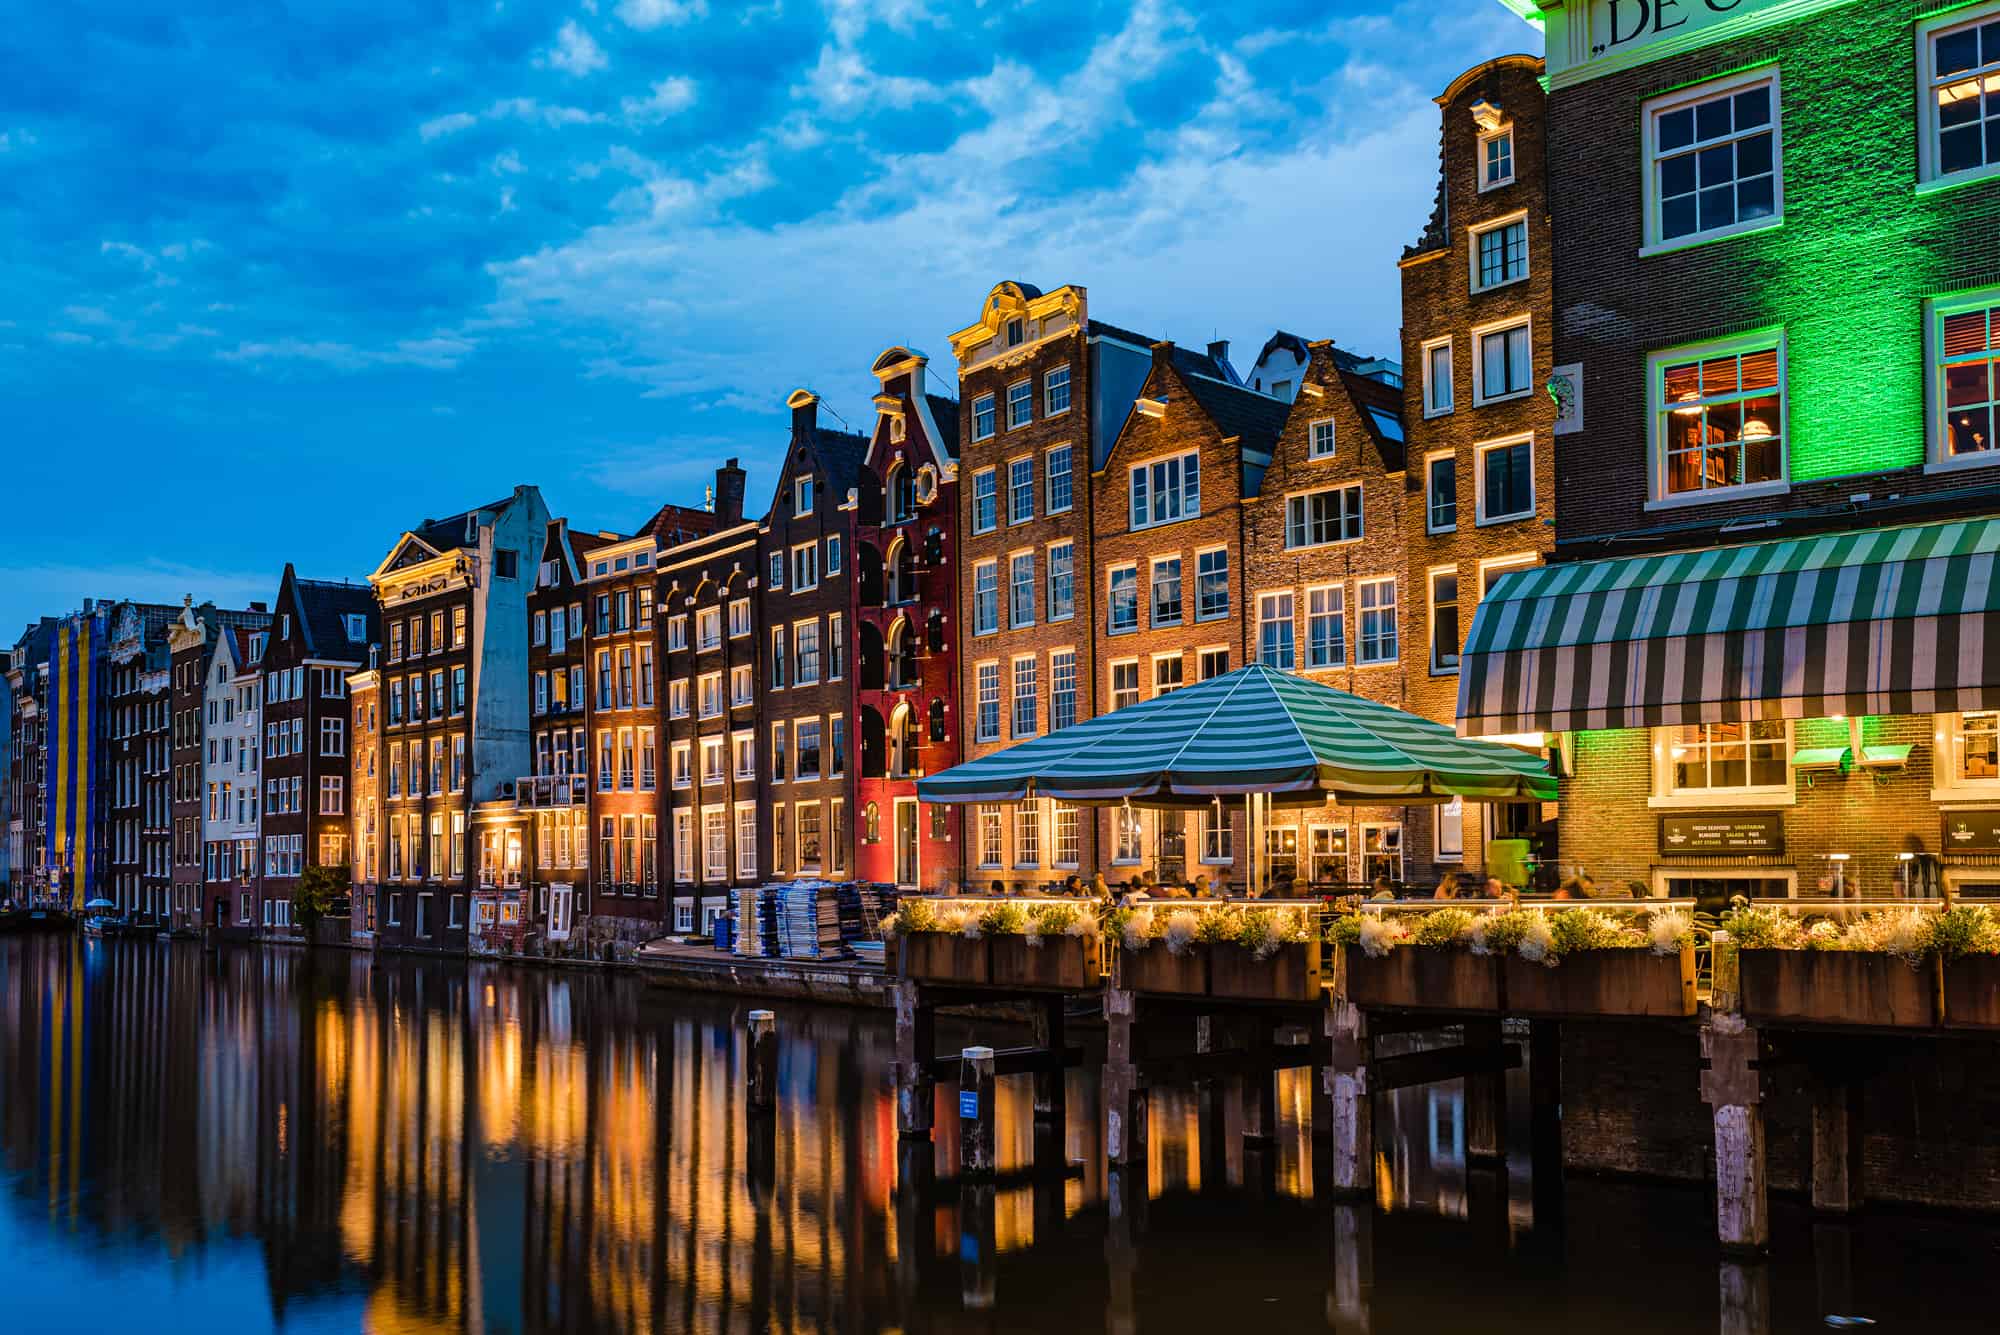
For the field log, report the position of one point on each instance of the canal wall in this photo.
(1930, 1111)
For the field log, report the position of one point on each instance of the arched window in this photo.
(902, 494)
(902, 743)
(937, 720)
(902, 573)
(871, 823)
(902, 654)
(934, 549)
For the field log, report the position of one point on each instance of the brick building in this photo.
(1759, 212)
(712, 659)
(556, 791)
(906, 619)
(364, 799)
(808, 603)
(1324, 579)
(198, 639)
(27, 671)
(1043, 391)
(320, 631)
(1479, 490)
(138, 754)
(453, 597)
(231, 780)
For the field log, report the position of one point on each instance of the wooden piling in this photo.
(978, 1245)
(1050, 1083)
(1744, 1288)
(975, 1113)
(1545, 1128)
(1836, 1145)
(1124, 1099)
(1485, 1098)
(1353, 1269)
(916, 1044)
(1353, 1147)
(762, 1074)
(1732, 1086)
(1260, 1087)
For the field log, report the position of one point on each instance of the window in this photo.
(836, 764)
(1131, 836)
(805, 642)
(1017, 329)
(330, 794)
(809, 837)
(677, 633)
(1713, 160)
(807, 734)
(1169, 673)
(982, 417)
(746, 841)
(677, 698)
(1450, 842)
(1122, 610)
(777, 580)
(777, 753)
(681, 758)
(1062, 688)
(985, 597)
(711, 694)
(1377, 598)
(1166, 490)
(1319, 439)
(1218, 844)
(833, 553)
(1025, 696)
(1496, 158)
(805, 567)
(985, 500)
(1028, 833)
(1506, 480)
(715, 843)
(1382, 851)
(1974, 749)
(779, 658)
(1020, 403)
(1274, 630)
(1964, 338)
(989, 836)
(712, 760)
(1021, 490)
(1326, 627)
(1167, 591)
(1211, 585)
(1444, 620)
(739, 617)
(802, 495)
(332, 737)
(1959, 63)
(1440, 493)
(1719, 416)
(1499, 253)
(988, 724)
(1021, 589)
(1741, 756)
(1062, 581)
(1505, 366)
(1061, 482)
(1317, 518)
(708, 628)
(1063, 817)
(1214, 662)
(1125, 683)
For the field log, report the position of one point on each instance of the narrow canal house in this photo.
(320, 632)
(1043, 391)
(1763, 642)
(27, 669)
(555, 794)
(138, 746)
(1324, 584)
(808, 602)
(201, 639)
(1479, 492)
(712, 658)
(453, 596)
(906, 614)
(364, 798)
(232, 779)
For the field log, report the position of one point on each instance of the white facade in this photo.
(230, 763)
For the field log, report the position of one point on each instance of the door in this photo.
(559, 910)
(906, 842)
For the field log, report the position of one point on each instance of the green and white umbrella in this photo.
(1254, 730)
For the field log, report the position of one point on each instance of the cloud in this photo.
(449, 124)
(576, 51)
(440, 352)
(528, 109)
(13, 139)
(668, 97)
(649, 14)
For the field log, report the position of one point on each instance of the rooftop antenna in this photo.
(837, 417)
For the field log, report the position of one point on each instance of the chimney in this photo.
(259, 607)
(805, 410)
(729, 493)
(1163, 353)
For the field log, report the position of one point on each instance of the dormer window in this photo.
(285, 626)
(1017, 330)
(802, 496)
(357, 627)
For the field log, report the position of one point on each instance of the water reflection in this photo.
(338, 1142)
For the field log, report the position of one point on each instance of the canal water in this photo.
(263, 1139)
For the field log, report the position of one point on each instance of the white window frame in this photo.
(1947, 785)
(1181, 458)
(1049, 506)
(1656, 448)
(1291, 618)
(992, 407)
(1014, 400)
(1434, 457)
(1069, 391)
(1504, 132)
(1111, 681)
(1431, 407)
(1302, 651)
(1456, 810)
(1438, 669)
(1928, 31)
(1168, 656)
(1015, 619)
(1014, 489)
(1359, 511)
(1480, 398)
(1479, 452)
(803, 493)
(1936, 310)
(1138, 619)
(979, 681)
(1361, 612)
(1475, 231)
(809, 551)
(994, 475)
(1649, 175)
(1664, 794)
(1313, 450)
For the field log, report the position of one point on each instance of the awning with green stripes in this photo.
(1254, 730)
(1884, 621)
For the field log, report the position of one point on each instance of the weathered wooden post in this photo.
(1836, 1144)
(1124, 1099)
(1732, 1086)
(1745, 1292)
(763, 1066)
(1353, 1270)
(975, 1112)
(916, 1043)
(1485, 1096)
(1353, 1148)
(1260, 1088)
(1545, 1132)
(1050, 1080)
(916, 1178)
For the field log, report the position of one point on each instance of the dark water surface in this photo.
(260, 1139)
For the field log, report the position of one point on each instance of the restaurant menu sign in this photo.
(1972, 831)
(1708, 833)
(1590, 38)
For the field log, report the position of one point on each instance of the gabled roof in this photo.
(1381, 408)
(441, 535)
(1185, 359)
(839, 457)
(673, 524)
(322, 607)
(1254, 419)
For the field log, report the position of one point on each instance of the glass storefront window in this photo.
(1742, 755)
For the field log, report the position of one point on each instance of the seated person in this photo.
(1447, 887)
(1382, 889)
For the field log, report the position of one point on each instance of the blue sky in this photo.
(283, 280)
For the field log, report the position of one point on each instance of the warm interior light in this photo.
(1757, 429)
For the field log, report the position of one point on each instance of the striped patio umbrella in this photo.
(1254, 730)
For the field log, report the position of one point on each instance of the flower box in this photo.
(1157, 969)
(1422, 978)
(1972, 992)
(1633, 982)
(1291, 973)
(1059, 963)
(1840, 987)
(944, 957)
